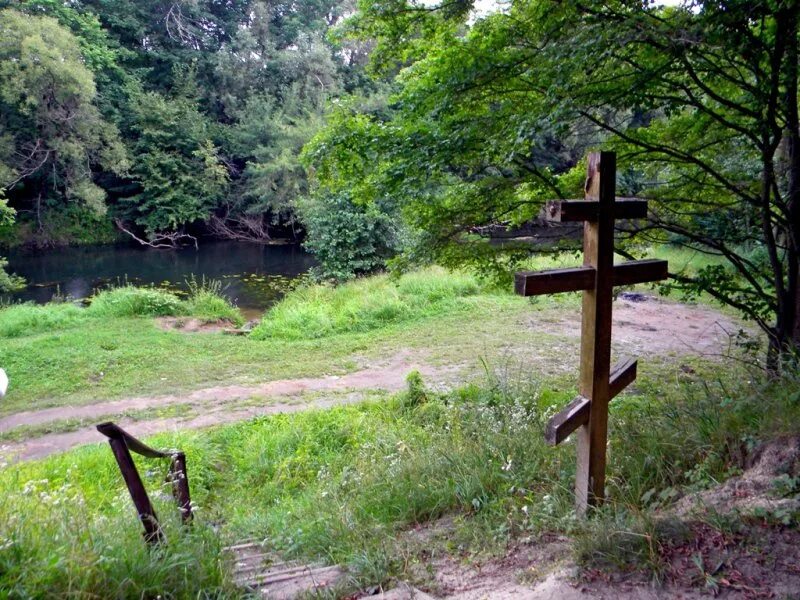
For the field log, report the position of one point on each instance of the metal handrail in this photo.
(122, 443)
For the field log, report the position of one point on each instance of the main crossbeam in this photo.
(553, 281)
(588, 210)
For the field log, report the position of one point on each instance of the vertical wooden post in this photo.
(598, 248)
(141, 501)
(180, 485)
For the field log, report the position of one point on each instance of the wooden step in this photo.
(275, 579)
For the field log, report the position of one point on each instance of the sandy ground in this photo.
(642, 326)
(750, 558)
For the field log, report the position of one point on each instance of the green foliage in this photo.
(9, 282)
(130, 301)
(176, 162)
(365, 304)
(74, 224)
(347, 238)
(212, 104)
(27, 319)
(491, 118)
(52, 132)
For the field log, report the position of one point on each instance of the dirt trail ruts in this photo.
(389, 376)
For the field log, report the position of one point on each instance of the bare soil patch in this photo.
(655, 326)
(193, 325)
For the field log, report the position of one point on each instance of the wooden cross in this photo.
(599, 383)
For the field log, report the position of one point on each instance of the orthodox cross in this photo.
(599, 383)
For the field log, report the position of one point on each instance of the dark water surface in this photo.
(253, 275)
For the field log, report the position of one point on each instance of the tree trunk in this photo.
(789, 331)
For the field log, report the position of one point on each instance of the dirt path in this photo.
(222, 404)
(642, 326)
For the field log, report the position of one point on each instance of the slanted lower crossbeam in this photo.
(576, 413)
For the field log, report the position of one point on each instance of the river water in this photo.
(254, 276)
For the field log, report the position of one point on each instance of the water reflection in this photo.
(255, 276)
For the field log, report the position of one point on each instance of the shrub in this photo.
(8, 281)
(130, 301)
(23, 319)
(348, 239)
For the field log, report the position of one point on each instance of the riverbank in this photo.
(254, 276)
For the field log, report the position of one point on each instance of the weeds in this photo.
(130, 301)
(206, 301)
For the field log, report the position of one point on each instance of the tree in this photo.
(176, 164)
(52, 135)
(699, 100)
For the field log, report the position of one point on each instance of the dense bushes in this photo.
(349, 239)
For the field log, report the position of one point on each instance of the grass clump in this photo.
(207, 302)
(67, 530)
(131, 301)
(366, 304)
(26, 319)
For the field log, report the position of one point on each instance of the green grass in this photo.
(343, 485)
(206, 302)
(26, 319)
(130, 301)
(96, 358)
(366, 304)
(57, 354)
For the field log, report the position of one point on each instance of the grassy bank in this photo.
(61, 353)
(343, 485)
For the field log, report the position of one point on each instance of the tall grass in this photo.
(131, 301)
(205, 301)
(67, 530)
(342, 485)
(365, 304)
(25, 319)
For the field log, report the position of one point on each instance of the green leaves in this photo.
(176, 164)
(48, 116)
